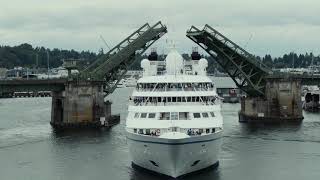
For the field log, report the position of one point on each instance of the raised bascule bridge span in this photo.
(79, 101)
(271, 97)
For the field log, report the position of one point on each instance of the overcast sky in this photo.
(274, 26)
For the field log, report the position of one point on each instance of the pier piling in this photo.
(81, 104)
(281, 103)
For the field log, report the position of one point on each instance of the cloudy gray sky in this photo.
(273, 26)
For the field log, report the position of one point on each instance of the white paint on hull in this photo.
(174, 157)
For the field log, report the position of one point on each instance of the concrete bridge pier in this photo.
(81, 104)
(282, 103)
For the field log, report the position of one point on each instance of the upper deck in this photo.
(168, 84)
(179, 78)
(175, 81)
(174, 96)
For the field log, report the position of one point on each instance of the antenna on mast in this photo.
(312, 58)
(250, 37)
(293, 59)
(312, 68)
(105, 42)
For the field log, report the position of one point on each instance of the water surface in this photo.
(31, 149)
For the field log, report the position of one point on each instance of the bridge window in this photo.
(136, 115)
(174, 99)
(183, 115)
(207, 131)
(213, 130)
(205, 115)
(148, 132)
(196, 115)
(165, 116)
(212, 114)
(140, 131)
(174, 116)
(174, 129)
(135, 130)
(143, 115)
(152, 115)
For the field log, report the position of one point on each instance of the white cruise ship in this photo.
(174, 124)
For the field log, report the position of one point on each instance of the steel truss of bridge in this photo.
(247, 72)
(106, 69)
(113, 65)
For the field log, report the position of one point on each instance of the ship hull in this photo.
(174, 157)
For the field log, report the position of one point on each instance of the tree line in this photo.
(37, 57)
(291, 60)
(27, 56)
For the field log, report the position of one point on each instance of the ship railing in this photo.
(189, 131)
(162, 73)
(143, 103)
(168, 118)
(173, 89)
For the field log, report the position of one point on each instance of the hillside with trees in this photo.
(27, 56)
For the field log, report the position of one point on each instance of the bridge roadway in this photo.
(35, 85)
(32, 85)
(305, 79)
